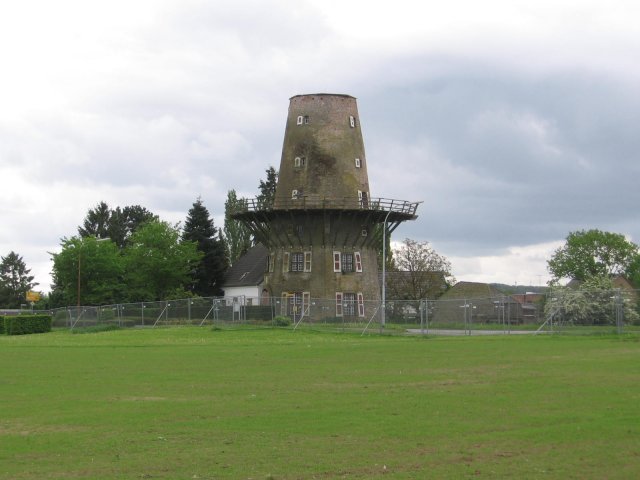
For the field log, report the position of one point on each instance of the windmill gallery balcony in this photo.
(379, 208)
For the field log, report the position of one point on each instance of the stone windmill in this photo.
(323, 229)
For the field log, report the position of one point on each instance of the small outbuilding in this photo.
(245, 278)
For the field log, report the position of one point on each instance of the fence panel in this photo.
(559, 311)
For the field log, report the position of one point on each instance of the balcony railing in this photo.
(323, 203)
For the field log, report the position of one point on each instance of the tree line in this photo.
(128, 254)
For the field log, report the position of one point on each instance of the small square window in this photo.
(294, 194)
(352, 121)
(300, 119)
(358, 163)
(297, 262)
(300, 161)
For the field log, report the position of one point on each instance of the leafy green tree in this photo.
(267, 188)
(237, 236)
(593, 253)
(157, 262)
(15, 281)
(633, 272)
(87, 271)
(208, 275)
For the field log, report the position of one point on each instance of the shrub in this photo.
(282, 321)
(105, 327)
(25, 324)
(1, 324)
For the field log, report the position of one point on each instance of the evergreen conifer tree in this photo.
(15, 281)
(208, 276)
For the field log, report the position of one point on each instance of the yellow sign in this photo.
(33, 296)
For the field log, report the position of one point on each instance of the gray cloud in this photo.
(509, 141)
(501, 159)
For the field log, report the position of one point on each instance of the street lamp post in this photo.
(384, 270)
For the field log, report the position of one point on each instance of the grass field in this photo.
(199, 403)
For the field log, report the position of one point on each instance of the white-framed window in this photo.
(295, 194)
(358, 163)
(358, 261)
(297, 262)
(347, 262)
(300, 119)
(299, 162)
(337, 262)
(352, 121)
(349, 304)
(360, 304)
(338, 304)
(285, 261)
(307, 261)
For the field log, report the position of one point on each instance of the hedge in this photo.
(25, 324)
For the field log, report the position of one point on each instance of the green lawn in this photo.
(199, 403)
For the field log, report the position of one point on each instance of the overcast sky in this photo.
(515, 122)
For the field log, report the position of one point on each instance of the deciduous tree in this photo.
(591, 302)
(593, 253)
(420, 272)
(157, 262)
(237, 236)
(87, 271)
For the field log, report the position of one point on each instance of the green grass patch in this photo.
(190, 403)
(103, 327)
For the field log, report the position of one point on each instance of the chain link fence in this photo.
(611, 311)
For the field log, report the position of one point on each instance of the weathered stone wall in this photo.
(320, 134)
(322, 281)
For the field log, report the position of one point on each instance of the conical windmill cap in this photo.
(323, 158)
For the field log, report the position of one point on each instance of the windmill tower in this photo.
(323, 229)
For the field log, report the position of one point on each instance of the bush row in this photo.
(24, 324)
